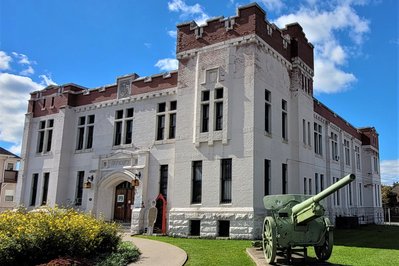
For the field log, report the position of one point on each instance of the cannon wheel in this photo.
(323, 252)
(269, 239)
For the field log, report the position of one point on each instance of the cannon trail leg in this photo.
(269, 239)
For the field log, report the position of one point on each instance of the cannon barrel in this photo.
(323, 194)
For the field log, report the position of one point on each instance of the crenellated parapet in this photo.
(289, 42)
(53, 98)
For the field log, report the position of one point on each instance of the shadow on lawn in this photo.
(368, 236)
(301, 261)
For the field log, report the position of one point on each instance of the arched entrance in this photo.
(124, 198)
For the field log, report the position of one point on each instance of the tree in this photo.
(388, 196)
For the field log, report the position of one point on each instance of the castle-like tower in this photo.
(235, 122)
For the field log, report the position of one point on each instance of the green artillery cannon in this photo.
(298, 221)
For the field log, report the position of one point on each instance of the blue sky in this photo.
(90, 43)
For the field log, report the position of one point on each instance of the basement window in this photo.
(223, 228)
(195, 226)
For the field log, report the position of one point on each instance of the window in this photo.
(10, 166)
(305, 184)
(268, 112)
(85, 132)
(318, 142)
(309, 135)
(212, 108)
(336, 195)
(334, 147)
(267, 178)
(172, 120)
(218, 109)
(79, 188)
(303, 131)
(226, 172)
(123, 126)
(197, 182)
(205, 117)
(9, 195)
(45, 135)
(284, 124)
(360, 194)
(164, 113)
(357, 157)
(195, 227)
(321, 182)
(45, 188)
(163, 183)
(223, 228)
(316, 182)
(310, 187)
(350, 194)
(35, 179)
(284, 178)
(161, 127)
(347, 152)
(375, 164)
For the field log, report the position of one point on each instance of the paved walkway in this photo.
(157, 253)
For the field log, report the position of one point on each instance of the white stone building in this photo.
(8, 179)
(235, 122)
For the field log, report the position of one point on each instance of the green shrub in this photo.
(125, 254)
(28, 238)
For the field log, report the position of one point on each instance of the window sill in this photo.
(268, 134)
(84, 151)
(164, 141)
(122, 146)
(227, 204)
(47, 153)
(284, 141)
(319, 156)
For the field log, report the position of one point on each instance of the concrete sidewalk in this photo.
(156, 252)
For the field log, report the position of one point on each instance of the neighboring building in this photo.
(235, 122)
(8, 179)
(395, 189)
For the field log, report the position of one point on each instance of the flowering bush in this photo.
(27, 238)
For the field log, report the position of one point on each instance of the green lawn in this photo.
(368, 245)
(210, 251)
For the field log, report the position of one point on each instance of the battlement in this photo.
(290, 42)
(53, 98)
(367, 135)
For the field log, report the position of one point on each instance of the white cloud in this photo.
(46, 80)
(28, 71)
(389, 171)
(322, 28)
(273, 5)
(195, 11)
(14, 96)
(4, 61)
(23, 59)
(16, 149)
(167, 64)
(331, 79)
(172, 33)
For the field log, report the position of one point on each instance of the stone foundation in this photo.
(241, 222)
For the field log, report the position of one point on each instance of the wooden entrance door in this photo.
(124, 198)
